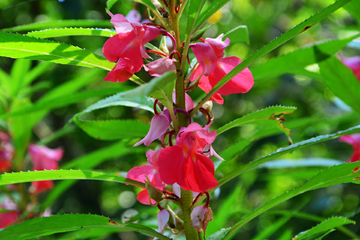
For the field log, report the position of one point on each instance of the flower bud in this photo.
(154, 193)
(200, 217)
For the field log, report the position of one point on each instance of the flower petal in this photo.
(171, 163)
(205, 56)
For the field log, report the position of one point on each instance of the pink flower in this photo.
(44, 158)
(151, 172)
(159, 124)
(353, 140)
(6, 152)
(354, 64)
(160, 66)
(185, 164)
(127, 47)
(213, 67)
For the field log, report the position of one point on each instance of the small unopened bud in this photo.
(200, 217)
(156, 4)
(154, 193)
(208, 106)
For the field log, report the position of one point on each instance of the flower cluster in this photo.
(183, 161)
(42, 158)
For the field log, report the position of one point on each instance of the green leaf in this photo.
(238, 34)
(137, 97)
(301, 27)
(110, 3)
(20, 46)
(148, 4)
(59, 24)
(354, 9)
(209, 11)
(56, 102)
(325, 234)
(194, 9)
(267, 116)
(36, 72)
(113, 129)
(61, 32)
(219, 235)
(299, 58)
(341, 81)
(323, 227)
(287, 149)
(31, 176)
(343, 173)
(18, 71)
(70, 222)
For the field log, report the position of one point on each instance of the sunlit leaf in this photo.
(61, 32)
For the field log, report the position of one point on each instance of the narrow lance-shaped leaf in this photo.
(70, 222)
(113, 129)
(61, 32)
(338, 174)
(238, 34)
(299, 58)
(287, 149)
(209, 11)
(323, 227)
(20, 46)
(301, 27)
(341, 81)
(268, 116)
(31, 176)
(58, 24)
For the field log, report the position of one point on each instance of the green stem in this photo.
(186, 201)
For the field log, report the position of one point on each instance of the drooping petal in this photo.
(218, 45)
(120, 73)
(140, 173)
(121, 24)
(160, 66)
(205, 56)
(159, 124)
(144, 198)
(204, 173)
(149, 34)
(170, 163)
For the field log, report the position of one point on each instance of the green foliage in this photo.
(238, 34)
(113, 129)
(31, 176)
(20, 46)
(300, 58)
(61, 32)
(343, 173)
(219, 235)
(208, 11)
(323, 227)
(70, 222)
(341, 81)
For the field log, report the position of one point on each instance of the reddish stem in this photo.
(156, 52)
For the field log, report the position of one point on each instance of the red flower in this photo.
(44, 158)
(353, 140)
(185, 164)
(151, 172)
(213, 67)
(127, 47)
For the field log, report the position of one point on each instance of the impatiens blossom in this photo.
(353, 140)
(354, 64)
(44, 158)
(6, 152)
(127, 47)
(184, 162)
(145, 172)
(213, 67)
